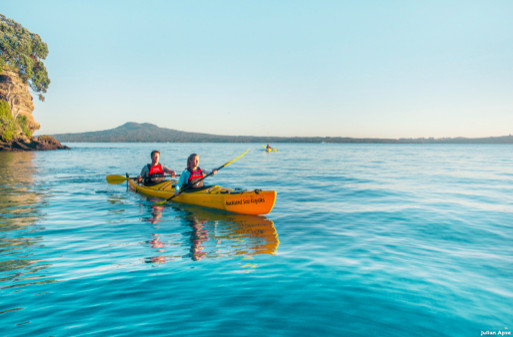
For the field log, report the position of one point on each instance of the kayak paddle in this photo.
(201, 179)
(116, 179)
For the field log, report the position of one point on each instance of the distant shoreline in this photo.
(150, 133)
(482, 141)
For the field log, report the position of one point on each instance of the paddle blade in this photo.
(115, 179)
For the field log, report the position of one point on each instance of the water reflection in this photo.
(156, 242)
(20, 209)
(210, 234)
(16, 190)
(199, 236)
(215, 234)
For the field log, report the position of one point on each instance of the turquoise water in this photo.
(364, 240)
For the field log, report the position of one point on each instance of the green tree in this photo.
(24, 51)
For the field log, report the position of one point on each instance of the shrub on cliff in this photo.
(23, 124)
(7, 124)
(23, 51)
(11, 128)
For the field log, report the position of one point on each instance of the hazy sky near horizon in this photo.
(386, 69)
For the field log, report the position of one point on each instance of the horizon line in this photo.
(286, 137)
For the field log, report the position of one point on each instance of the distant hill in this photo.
(146, 132)
(150, 133)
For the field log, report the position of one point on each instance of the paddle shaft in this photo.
(202, 178)
(116, 179)
(217, 169)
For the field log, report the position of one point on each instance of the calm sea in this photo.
(364, 240)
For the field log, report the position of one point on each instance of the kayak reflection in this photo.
(156, 242)
(210, 234)
(215, 234)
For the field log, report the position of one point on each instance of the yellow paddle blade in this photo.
(116, 179)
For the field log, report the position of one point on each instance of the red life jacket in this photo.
(156, 175)
(195, 175)
(156, 169)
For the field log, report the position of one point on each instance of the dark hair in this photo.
(155, 151)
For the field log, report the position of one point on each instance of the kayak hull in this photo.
(235, 201)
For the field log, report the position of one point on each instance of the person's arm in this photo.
(144, 173)
(207, 172)
(184, 177)
(168, 170)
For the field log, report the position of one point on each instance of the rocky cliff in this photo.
(16, 93)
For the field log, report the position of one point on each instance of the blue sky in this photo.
(277, 68)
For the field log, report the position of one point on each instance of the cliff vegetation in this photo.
(21, 69)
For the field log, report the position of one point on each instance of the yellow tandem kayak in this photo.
(235, 201)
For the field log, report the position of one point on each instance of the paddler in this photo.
(153, 173)
(192, 176)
